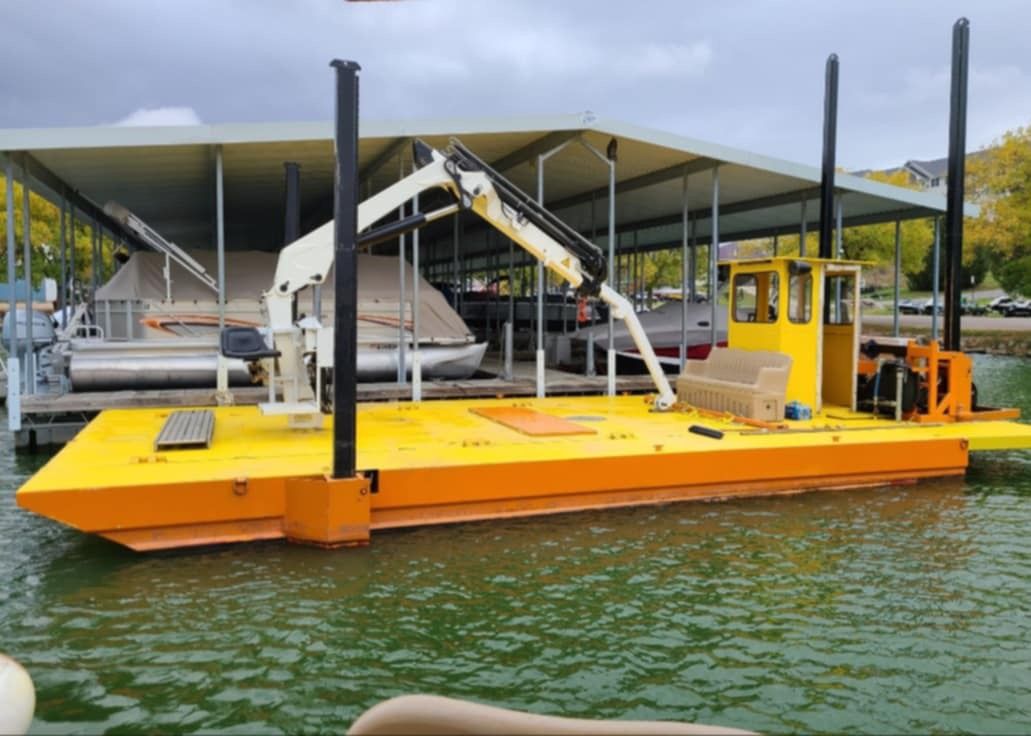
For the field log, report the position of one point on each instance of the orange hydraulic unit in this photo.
(933, 385)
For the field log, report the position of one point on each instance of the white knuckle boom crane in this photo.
(303, 349)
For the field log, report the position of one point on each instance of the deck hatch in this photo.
(186, 429)
(529, 422)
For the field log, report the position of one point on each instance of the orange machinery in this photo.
(944, 385)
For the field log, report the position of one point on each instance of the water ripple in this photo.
(893, 610)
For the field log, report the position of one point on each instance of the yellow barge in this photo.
(862, 414)
(446, 461)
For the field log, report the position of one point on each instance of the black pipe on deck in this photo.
(345, 233)
(292, 211)
(956, 189)
(292, 206)
(830, 139)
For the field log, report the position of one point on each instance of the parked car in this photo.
(1020, 308)
(907, 306)
(966, 306)
(999, 303)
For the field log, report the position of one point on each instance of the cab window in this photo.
(800, 297)
(755, 297)
(840, 303)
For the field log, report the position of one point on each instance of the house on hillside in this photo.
(931, 175)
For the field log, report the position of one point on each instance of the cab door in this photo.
(840, 336)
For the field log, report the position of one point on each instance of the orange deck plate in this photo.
(530, 422)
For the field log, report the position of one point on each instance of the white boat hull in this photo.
(663, 327)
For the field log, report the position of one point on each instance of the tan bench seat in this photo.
(748, 383)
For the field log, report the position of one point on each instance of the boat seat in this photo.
(245, 343)
(748, 383)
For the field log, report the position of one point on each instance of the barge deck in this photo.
(464, 460)
(54, 419)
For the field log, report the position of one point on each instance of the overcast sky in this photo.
(744, 74)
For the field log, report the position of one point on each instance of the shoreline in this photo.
(1013, 343)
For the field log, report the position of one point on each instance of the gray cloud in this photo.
(746, 74)
(147, 116)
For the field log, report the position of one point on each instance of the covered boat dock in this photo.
(227, 188)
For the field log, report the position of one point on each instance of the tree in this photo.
(976, 269)
(877, 242)
(44, 236)
(1000, 181)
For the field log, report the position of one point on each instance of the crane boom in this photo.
(475, 186)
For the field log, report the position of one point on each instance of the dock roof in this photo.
(166, 175)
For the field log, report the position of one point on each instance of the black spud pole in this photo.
(955, 187)
(830, 142)
(345, 233)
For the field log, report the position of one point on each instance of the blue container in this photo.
(797, 410)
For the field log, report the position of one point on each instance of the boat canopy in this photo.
(249, 275)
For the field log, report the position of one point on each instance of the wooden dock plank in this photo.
(557, 382)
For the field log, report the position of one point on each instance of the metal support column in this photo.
(454, 264)
(541, 279)
(94, 263)
(402, 292)
(416, 358)
(610, 364)
(13, 389)
(589, 368)
(693, 283)
(609, 159)
(345, 235)
(511, 283)
(714, 255)
(506, 348)
(71, 264)
(26, 232)
(898, 277)
(292, 203)
(634, 274)
(776, 245)
(684, 246)
(292, 223)
(62, 284)
(511, 311)
(802, 229)
(935, 278)
(839, 235)
(540, 290)
(220, 236)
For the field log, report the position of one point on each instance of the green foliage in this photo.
(1014, 275)
(1000, 180)
(877, 242)
(977, 267)
(45, 239)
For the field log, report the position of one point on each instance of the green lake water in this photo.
(904, 609)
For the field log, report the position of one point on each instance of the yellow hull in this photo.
(452, 461)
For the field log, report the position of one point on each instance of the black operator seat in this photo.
(245, 343)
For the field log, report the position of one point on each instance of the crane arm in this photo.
(474, 185)
(561, 249)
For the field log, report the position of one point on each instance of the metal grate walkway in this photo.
(186, 430)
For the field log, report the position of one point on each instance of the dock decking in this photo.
(49, 419)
